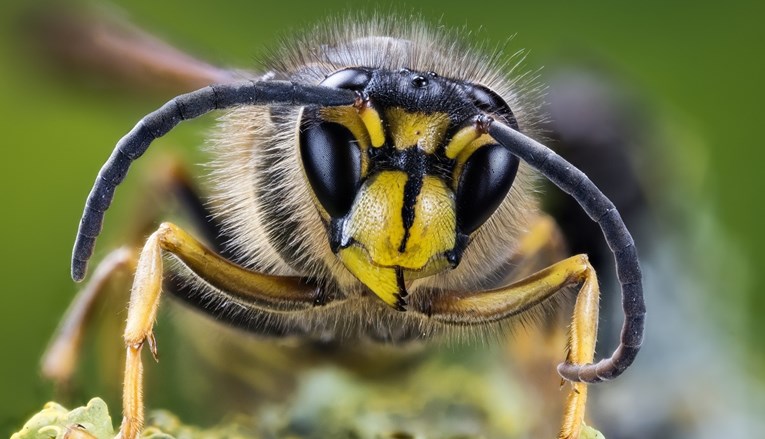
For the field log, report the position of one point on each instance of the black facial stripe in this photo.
(412, 189)
(416, 165)
(410, 160)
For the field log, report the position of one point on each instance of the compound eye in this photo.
(349, 79)
(490, 102)
(332, 163)
(485, 180)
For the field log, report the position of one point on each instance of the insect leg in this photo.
(268, 292)
(171, 181)
(537, 349)
(60, 358)
(583, 334)
(501, 303)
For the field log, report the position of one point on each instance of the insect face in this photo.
(406, 174)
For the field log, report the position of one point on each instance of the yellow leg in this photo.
(171, 181)
(536, 350)
(581, 350)
(60, 358)
(500, 303)
(264, 291)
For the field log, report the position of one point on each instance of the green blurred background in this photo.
(699, 66)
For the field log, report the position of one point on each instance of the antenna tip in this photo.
(79, 268)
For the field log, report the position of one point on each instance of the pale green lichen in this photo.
(55, 421)
(590, 433)
(93, 421)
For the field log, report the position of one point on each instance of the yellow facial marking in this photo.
(461, 139)
(466, 152)
(381, 280)
(426, 131)
(376, 223)
(435, 223)
(377, 228)
(375, 220)
(373, 122)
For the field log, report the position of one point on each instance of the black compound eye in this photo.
(489, 101)
(332, 163)
(485, 180)
(349, 79)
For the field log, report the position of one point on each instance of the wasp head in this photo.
(404, 176)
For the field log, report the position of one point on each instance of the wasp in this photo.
(375, 183)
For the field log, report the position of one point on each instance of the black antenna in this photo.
(601, 210)
(567, 177)
(161, 121)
